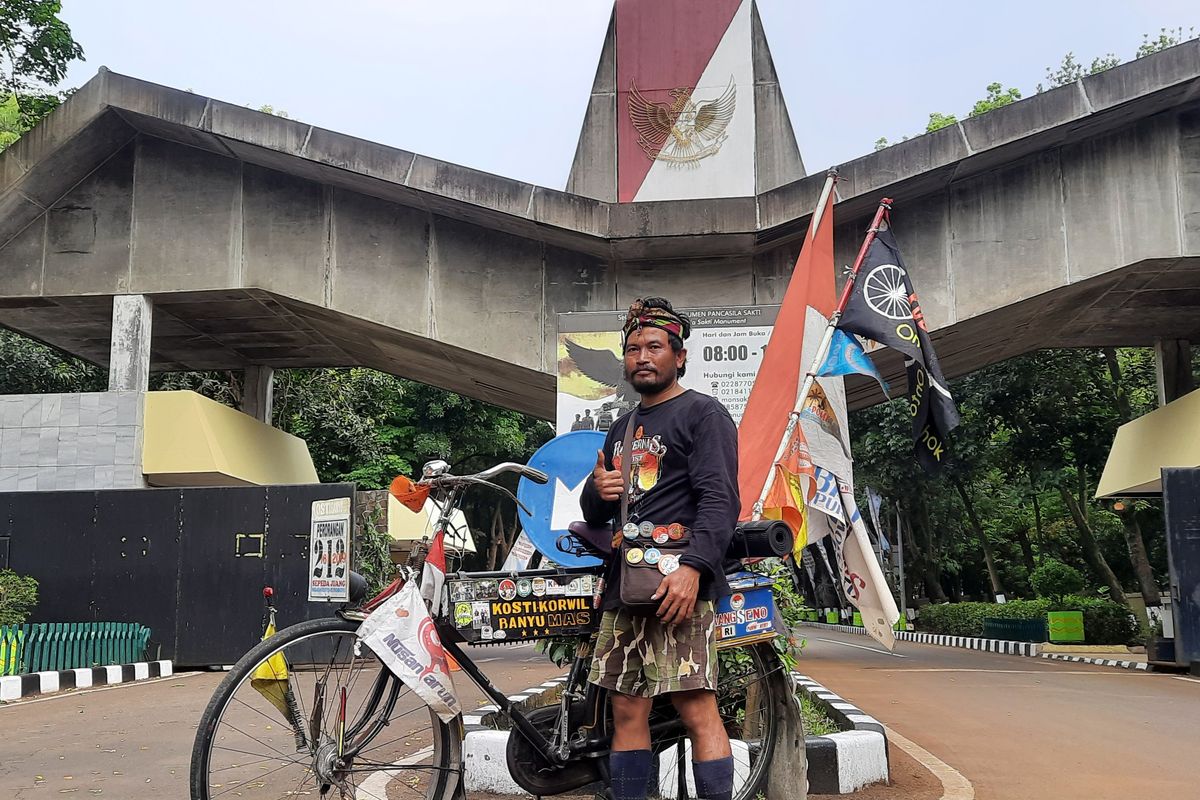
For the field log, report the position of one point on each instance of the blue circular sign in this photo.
(568, 460)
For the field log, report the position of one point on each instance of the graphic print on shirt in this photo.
(644, 471)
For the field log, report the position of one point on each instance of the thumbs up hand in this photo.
(608, 481)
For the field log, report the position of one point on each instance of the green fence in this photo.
(1014, 630)
(48, 646)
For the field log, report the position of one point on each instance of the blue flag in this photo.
(846, 357)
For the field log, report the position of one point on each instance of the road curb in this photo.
(1001, 646)
(1104, 662)
(14, 687)
(485, 765)
(844, 762)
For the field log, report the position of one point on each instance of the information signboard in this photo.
(329, 551)
(724, 353)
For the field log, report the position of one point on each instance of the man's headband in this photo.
(640, 316)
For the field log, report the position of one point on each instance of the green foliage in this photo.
(1054, 579)
(881, 144)
(372, 554)
(1167, 37)
(30, 367)
(997, 97)
(790, 605)
(35, 45)
(18, 596)
(816, 721)
(1069, 70)
(938, 120)
(36, 48)
(223, 386)
(10, 121)
(966, 619)
(367, 426)
(1104, 622)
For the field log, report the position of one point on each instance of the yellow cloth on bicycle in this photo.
(270, 678)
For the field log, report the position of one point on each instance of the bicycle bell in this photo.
(435, 469)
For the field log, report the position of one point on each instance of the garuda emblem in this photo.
(684, 130)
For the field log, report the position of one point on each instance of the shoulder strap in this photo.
(627, 465)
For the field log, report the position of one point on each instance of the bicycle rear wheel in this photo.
(307, 713)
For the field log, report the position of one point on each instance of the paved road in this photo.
(1024, 728)
(134, 742)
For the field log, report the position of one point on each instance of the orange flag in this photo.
(794, 486)
(773, 396)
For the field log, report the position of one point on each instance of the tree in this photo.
(29, 367)
(36, 47)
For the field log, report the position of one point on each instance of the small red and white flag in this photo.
(433, 576)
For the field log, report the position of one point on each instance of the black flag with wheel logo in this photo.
(884, 307)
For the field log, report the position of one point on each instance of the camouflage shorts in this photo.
(639, 655)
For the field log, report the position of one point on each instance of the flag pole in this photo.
(885, 206)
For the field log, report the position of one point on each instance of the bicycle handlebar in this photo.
(436, 474)
(535, 475)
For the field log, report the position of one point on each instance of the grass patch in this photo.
(816, 721)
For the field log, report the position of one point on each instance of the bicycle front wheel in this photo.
(309, 712)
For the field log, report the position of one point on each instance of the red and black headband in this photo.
(641, 315)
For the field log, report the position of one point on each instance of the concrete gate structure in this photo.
(148, 228)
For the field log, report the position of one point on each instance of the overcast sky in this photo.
(501, 85)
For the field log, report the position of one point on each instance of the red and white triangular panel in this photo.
(685, 100)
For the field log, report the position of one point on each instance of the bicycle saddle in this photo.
(594, 541)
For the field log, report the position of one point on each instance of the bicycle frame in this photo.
(576, 687)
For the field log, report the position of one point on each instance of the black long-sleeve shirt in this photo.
(684, 470)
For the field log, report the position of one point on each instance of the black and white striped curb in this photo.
(14, 687)
(1029, 649)
(1104, 662)
(844, 762)
(485, 764)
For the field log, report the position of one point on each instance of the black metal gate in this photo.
(1181, 506)
(188, 563)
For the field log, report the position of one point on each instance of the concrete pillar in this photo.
(129, 352)
(258, 392)
(1173, 369)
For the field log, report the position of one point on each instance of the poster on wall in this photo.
(724, 353)
(329, 552)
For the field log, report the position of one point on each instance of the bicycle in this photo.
(307, 712)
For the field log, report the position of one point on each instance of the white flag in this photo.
(862, 579)
(404, 637)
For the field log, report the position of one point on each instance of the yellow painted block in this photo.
(190, 440)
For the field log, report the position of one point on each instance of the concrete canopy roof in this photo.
(200, 326)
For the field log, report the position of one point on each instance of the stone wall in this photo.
(91, 440)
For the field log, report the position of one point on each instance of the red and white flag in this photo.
(433, 576)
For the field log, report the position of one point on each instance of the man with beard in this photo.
(684, 450)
